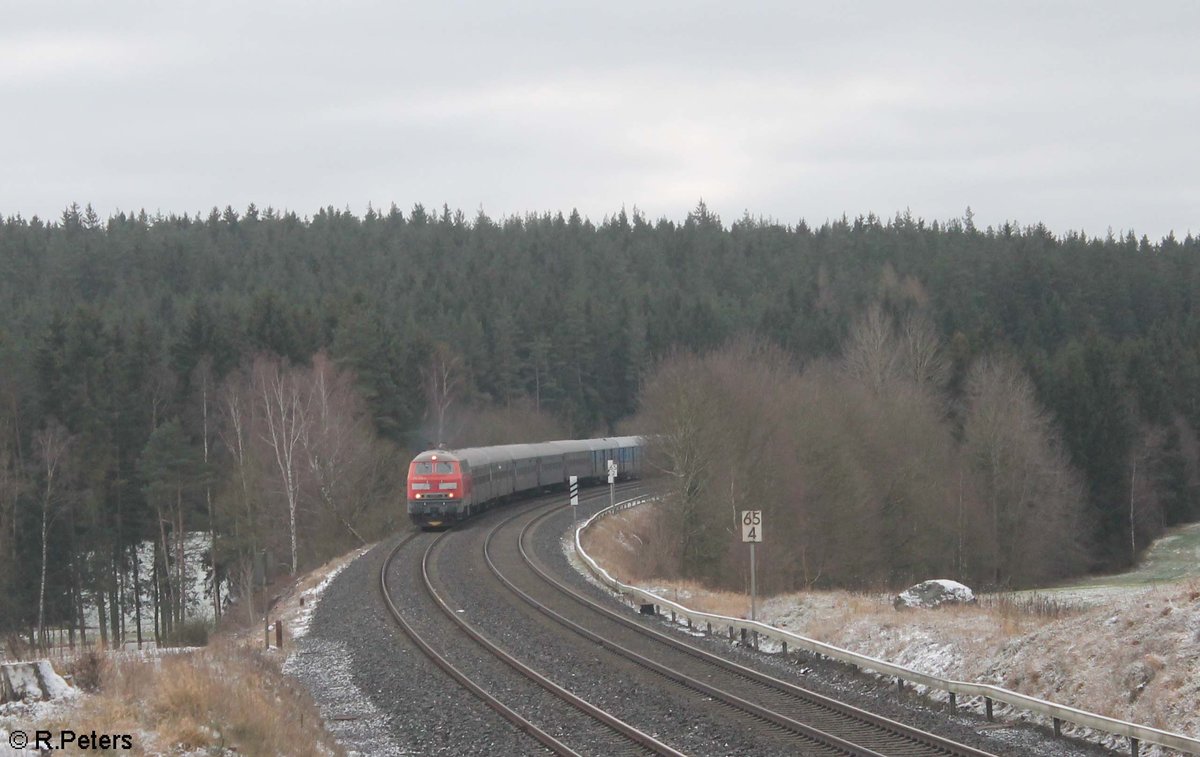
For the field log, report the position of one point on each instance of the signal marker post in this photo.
(574, 488)
(752, 533)
(612, 476)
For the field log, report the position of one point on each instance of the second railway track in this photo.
(651, 691)
(817, 724)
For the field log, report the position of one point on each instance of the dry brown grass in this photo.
(630, 545)
(217, 699)
(698, 597)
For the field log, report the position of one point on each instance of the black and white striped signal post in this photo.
(574, 495)
(612, 476)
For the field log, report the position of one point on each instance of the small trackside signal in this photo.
(574, 491)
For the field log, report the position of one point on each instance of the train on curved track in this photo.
(446, 486)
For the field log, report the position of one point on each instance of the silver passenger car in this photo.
(478, 477)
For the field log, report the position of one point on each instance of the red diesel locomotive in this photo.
(445, 486)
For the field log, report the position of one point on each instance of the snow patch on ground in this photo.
(36, 681)
(349, 714)
(1125, 648)
(302, 612)
(31, 708)
(933, 593)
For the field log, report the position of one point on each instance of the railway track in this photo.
(819, 725)
(621, 738)
(781, 717)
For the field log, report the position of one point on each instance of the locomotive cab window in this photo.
(425, 469)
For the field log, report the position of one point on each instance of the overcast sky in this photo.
(1082, 115)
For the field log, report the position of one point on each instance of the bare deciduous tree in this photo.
(857, 468)
(1034, 498)
(442, 378)
(51, 445)
(923, 360)
(283, 402)
(337, 442)
(871, 355)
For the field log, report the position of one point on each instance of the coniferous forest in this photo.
(263, 375)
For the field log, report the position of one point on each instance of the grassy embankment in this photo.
(1120, 645)
(222, 699)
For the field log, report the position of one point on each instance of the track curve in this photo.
(818, 722)
(629, 740)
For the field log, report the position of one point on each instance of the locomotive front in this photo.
(436, 489)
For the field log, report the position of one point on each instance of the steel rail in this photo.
(1058, 713)
(522, 723)
(918, 735)
(644, 742)
(930, 743)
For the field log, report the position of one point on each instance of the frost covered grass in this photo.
(219, 700)
(227, 698)
(1123, 647)
(1131, 657)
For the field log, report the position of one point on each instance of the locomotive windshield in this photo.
(424, 469)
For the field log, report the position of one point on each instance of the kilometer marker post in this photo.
(752, 528)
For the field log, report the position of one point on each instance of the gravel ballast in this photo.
(380, 695)
(356, 661)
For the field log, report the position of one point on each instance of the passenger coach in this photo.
(445, 486)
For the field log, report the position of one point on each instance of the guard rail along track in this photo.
(1056, 712)
(641, 740)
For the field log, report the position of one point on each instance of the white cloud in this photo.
(1075, 115)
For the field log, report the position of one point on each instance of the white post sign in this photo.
(752, 528)
(752, 525)
(574, 491)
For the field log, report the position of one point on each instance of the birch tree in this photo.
(336, 439)
(284, 405)
(443, 380)
(871, 355)
(51, 445)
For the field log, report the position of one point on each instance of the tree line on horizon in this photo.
(116, 333)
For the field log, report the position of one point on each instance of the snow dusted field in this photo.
(1124, 646)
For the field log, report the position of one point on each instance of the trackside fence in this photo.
(1057, 713)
